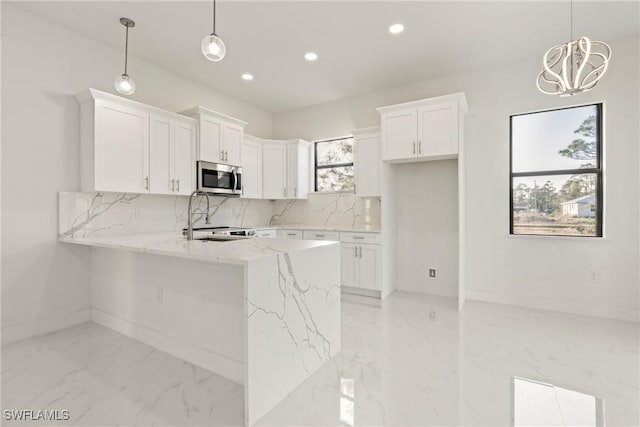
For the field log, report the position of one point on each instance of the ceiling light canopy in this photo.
(212, 46)
(396, 28)
(123, 83)
(573, 67)
(247, 76)
(310, 56)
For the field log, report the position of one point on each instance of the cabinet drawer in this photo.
(291, 234)
(321, 235)
(272, 232)
(365, 238)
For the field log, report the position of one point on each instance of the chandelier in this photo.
(573, 67)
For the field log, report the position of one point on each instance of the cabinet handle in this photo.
(222, 155)
(178, 184)
(284, 192)
(146, 182)
(173, 185)
(295, 191)
(414, 147)
(420, 147)
(226, 156)
(358, 237)
(355, 252)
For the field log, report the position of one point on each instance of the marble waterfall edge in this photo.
(293, 323)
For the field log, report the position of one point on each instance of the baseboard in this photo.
(613, 313)
(206, 359)
(21, 331)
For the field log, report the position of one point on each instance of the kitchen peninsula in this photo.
(263, 312)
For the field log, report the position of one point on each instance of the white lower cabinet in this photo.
(361, 260)
(321, 235)
(267, 232)
(291, 234)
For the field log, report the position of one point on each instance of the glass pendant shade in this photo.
(213, 48)
(125, 85)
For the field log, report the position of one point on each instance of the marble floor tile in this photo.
(413, 361)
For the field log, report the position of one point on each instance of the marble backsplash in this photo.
(96, 214)
(331, 210)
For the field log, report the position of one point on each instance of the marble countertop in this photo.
(361, 229)
(174, 244)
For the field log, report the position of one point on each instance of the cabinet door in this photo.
(160, 153)
(210, 144)
(367, 164)
(292, 171)
(399, 134)
(274, 171)
(370, 267)
(121, 148)
(184, 163)
(232, 144)
(438, 130)
(251, 170)
(350, 264)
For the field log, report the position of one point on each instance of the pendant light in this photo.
(125, 84)
(573, 67)
(212, 46)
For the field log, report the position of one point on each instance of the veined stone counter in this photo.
(264, 312)
(174, 244)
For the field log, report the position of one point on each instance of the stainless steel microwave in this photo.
(220, 179)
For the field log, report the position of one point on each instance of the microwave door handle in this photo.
(235, 180)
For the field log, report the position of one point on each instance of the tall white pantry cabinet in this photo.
(425, 130)
(130, 147)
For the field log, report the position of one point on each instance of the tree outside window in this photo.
(334, 165)
(556, 172)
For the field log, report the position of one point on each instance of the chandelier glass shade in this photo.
(573, 67)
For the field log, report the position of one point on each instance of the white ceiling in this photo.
(356, 52)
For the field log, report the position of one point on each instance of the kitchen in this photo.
(96, 234)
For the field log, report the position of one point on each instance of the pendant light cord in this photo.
(126, 47)
(214, 17)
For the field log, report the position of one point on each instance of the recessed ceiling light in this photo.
(310, 56)
(396, 28)
(247, 76)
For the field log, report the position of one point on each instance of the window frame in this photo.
(598, 171)
(333, 165)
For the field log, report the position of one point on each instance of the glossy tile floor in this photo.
(413, 361)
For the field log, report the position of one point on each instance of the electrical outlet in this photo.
(159, 295)
(594, 277)
(432, 316)
(432, 273)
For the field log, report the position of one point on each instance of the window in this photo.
(334, 165)
(556, 172)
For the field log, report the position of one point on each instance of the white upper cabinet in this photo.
(428, 129)
(184, 157)
(219, 136)
(400, 132)
(367, 162)
(116, 148)
(251, 167)
(297, 169)
(160, 147)
(438, 130)
(131, 147)
(171, 155)
(274, 171)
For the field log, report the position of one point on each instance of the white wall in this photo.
(537, 272)
(45, 284)
(427, 227)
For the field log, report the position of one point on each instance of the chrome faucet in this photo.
(207, 220)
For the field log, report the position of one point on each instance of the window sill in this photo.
(550, 237)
